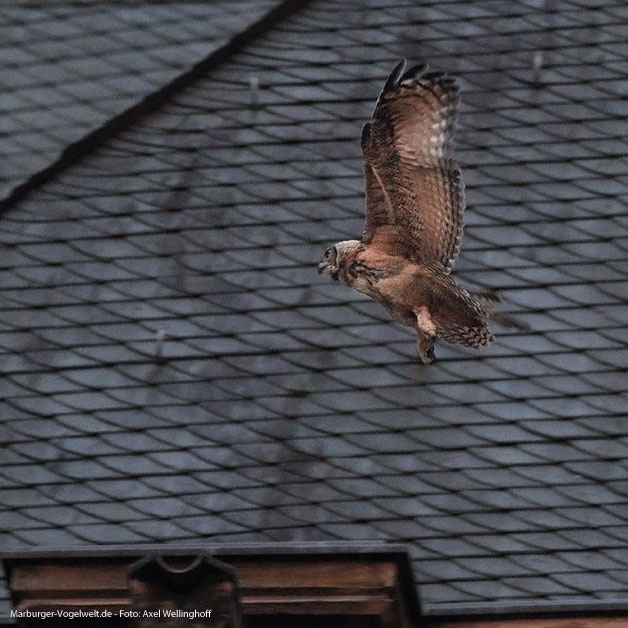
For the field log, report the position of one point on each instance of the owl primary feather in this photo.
(414, 215)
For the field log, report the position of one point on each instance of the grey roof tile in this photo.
(442, 593)
(499, 544)
(28, 474)
(586, 494)
(48, 537)
(538, 586)
(208, 525)
(84, 469)
(73, 493)
(597, 582)
(592, 560)
(450, 547)
(354, 531)
(12, 520)
(159, 529)
(501, 567)
(603, 449)
(600, 470)
(405, 506)
(546, 541)
(484, 588)
(587, 538)
(506, 455)
(401, 529)
(122, 489)
(24, 497)
(445, 569)
(59, 515)
(503, 434)
(25, 451)
(106, 533)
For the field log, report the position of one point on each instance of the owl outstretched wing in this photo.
(414, 190)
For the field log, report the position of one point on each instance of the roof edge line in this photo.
(150, 102)
(521, 609)
(39, 552)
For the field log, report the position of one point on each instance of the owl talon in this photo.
(425, 345)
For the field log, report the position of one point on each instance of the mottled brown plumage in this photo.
(414, 215)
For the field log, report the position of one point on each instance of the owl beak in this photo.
(324, 268)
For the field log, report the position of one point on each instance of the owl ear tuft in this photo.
(395, 76)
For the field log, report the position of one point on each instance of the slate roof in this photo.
(67, 70)
(175, 370)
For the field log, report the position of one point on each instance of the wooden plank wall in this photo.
(308, 587)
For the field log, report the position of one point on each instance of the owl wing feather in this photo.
(414, 190)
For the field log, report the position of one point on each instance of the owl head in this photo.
(338, 259)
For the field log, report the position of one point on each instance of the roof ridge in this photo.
(95, 138)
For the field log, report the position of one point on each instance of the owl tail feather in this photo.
(486, 295)
(486, 299)
(505, 319)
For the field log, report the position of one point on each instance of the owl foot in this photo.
(424, 322)
(426, 333)
(425, 345)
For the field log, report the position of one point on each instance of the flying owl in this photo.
(414, 216)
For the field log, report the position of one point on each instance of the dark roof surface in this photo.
(66, 69)
(174, 368)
